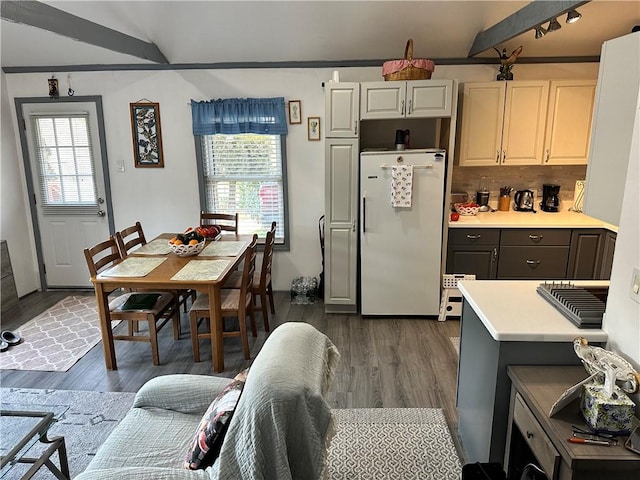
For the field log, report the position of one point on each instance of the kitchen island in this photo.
(505, 323)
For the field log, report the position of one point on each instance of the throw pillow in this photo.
(207, 442)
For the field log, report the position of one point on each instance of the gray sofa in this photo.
(280, 429)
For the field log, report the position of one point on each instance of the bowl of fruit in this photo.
(187, 244)
(467, 208)
(209, 231)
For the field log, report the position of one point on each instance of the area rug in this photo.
(455, 341)
(85, 425)
(392, 443)
(57, 338)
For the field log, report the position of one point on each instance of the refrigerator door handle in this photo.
(364, 216)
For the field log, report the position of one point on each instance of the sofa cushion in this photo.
(205, 446)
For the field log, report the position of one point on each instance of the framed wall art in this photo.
(313, 128)
(147, 135)
(295, 111)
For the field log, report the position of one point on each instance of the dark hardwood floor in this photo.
(386, 362)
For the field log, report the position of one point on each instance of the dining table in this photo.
(155, 266)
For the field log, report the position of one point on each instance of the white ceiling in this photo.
(210, 32)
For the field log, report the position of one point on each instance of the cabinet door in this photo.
(429, 98)
(569, 119)
(380, 100)
(342, 102)
(524, 122)
(607, 255)
(585, 257)
(341, 210)
(478, 260)
(482, 119)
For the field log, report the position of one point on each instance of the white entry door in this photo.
(68, 176)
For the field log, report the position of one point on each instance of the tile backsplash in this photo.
(467, 179)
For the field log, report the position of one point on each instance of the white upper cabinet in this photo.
(569, 122)
(342, 102)
(503, 123)
(406, 99)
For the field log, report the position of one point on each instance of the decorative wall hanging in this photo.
(53, 87)
(295, 111)
(147, 137)
(313, 128)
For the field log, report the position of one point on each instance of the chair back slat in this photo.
(102, 255)
(226, 221)
(267, 258)
(129, 238)
(249, 269)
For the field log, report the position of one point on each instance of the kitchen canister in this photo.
(504, 202)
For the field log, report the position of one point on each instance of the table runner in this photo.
(134, 267)
(223, 249)
(201, 270)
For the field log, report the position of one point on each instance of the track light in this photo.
(540, 32)
(573, 16)
(554, 25)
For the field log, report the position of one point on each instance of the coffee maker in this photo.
(550, 201)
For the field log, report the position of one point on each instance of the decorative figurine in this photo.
(506, 63)
(53, 87)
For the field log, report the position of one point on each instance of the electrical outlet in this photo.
(634, 291)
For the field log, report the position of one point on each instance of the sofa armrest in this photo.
(144, 473)
(190, 394)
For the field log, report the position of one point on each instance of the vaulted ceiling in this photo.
(332, 33)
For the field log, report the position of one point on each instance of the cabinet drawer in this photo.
(474, 236)
(538, 236)
(533, 262)
(544, 451)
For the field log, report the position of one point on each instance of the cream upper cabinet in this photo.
(406, 99)
(503, 123)
(569, 119)
(342, 103)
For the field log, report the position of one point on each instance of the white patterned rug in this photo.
(85, 425)
(57, 338)
(392, 444)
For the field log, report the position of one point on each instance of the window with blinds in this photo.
(245, 173)
(65, 163)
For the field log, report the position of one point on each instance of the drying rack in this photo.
(451, 303)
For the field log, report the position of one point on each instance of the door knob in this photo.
(101, 213)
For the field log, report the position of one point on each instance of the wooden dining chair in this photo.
(261, 284)
(234, 303)
(133, 237)
(106, 254)
(226, 221)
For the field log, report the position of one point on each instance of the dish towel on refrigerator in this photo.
(401, 185)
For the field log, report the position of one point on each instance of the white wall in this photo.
(15, 225)
(167, 199)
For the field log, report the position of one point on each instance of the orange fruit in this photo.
(177, 242)
(173, 240)
(193, 242)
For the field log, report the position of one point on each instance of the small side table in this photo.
(533, 436)
(31, 427)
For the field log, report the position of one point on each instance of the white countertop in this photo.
(512, 311)
(513, 219)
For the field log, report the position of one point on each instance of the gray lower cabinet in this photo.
(8, 288)
(534, 253)
(522, 253)
(473, 252)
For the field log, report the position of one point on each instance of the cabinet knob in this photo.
(504, 156)
(548, 156)
(494, 257)
(402, 107)
(533, 263)
(497, 156)
(529, 434)
(536, 238)
(355, 127)
(473, 237)
(409, 110)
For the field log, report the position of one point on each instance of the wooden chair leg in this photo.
(153, 339)
(263, 307)
(270, 292)
(254, 331)
(242, 320)
(177, 330)
(195, 341)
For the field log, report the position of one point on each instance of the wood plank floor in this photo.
(385, 362)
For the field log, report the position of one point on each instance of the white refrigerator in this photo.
(401, 246)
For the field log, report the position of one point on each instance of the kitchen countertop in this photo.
(513, 219)
(512, 311)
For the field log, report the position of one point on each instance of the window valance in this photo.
(239, 115)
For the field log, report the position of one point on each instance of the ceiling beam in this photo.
(527, 18)
(44, 16)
